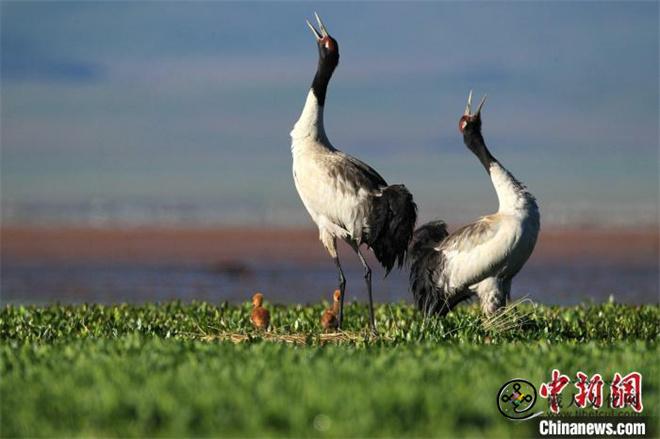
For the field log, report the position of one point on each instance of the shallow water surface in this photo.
(292, 283)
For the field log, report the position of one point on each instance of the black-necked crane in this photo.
(345, 197)
(480, 258)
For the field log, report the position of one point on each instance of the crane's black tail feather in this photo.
(426, 265)
(392, 222)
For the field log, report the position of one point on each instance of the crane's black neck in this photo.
(324, 72)
(475, 142)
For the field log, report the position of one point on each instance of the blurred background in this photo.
(145, 149)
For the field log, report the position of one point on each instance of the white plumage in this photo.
(338, 206)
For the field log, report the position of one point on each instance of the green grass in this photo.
(169, 370)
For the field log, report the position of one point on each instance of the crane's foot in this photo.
(372, 327)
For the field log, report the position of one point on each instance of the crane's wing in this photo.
(334, 188)
(354, 173)
(475, 251)
(472, 235)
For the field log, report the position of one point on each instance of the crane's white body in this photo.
(339, 206)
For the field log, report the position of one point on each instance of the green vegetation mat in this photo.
(199, 369)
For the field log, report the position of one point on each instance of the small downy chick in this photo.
(260, 316)
(330, 317)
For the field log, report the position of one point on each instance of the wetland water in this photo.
(74, 266)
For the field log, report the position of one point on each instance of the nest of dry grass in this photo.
(510, 317)
(289, 338)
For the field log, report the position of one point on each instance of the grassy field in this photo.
(198, 369)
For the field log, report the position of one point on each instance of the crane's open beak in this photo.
(323, 31)
(468, 107)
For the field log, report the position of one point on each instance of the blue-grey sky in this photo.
(179, 111)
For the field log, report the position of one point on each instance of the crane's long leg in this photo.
(367, 279)
(342, 287)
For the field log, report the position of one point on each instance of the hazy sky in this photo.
(186, 107)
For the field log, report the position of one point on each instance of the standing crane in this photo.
(480, 258)
(345, 197)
